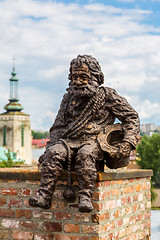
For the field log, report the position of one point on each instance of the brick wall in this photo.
(121, 200)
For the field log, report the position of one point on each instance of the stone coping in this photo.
(32, 173)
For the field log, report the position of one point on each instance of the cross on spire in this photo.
(14, 59)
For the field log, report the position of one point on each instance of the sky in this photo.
(44, 36)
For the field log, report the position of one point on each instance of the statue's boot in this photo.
(45, 192)
(86, 174)
(51, 168)
(85, 204)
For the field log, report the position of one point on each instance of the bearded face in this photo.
(82, 83)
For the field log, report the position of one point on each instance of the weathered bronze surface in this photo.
(84, 134)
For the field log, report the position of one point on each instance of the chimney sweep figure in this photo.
(77, 137)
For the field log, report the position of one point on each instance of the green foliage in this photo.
(149, 158)
(149, 153)
(10, 162)
(157, 179)
(40, 135)
(153, 193)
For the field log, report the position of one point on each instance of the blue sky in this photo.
(44, 36)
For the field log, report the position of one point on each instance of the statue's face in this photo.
(80, 75)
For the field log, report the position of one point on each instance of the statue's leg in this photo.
(86, 174)
(51, 168)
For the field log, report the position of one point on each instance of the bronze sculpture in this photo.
(77, 137)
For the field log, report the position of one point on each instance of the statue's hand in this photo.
(124, 150)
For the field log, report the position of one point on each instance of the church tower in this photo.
(15, 129)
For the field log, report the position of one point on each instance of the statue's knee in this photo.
(58, 150)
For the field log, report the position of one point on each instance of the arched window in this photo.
(4, 135)
(22, 135)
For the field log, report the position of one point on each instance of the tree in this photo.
(40, 135)
(149, 157)
(149, 153)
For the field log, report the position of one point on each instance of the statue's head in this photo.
(85, 69)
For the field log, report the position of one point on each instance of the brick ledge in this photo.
(32, 173)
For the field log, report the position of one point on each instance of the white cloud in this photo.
(45, 36)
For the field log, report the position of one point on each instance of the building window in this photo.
(4, 136)
(22, 135)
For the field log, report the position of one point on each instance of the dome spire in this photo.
(13, 104)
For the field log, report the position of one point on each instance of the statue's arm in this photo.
(122, 110)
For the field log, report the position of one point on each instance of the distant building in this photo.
(149, 128)
(39, 143)
(15, 129)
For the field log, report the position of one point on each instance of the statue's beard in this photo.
(83, 91)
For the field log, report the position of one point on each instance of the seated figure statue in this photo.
(86, 110)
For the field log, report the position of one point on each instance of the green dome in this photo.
(13, 106)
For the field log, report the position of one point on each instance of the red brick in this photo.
(97, 218)
(130, 199)
(117, 214)
(135, 198)
(128, 210)
(7, 213)
(57, 205)
(119, 222)
(115, 192)
(132, 219)
(104, 216)
(143, 186)
(148, 185)
(97, 206)
(131, 180)
(137, 188)
(15, 203)
(67, 237)
(70, 228)
(119, 182)
(128, 190)
(91, 229)
(78, 217)
(2, 201)
(23, 213)
(139, 217)
(29, 225)
(42, 215)
(110, 204)
(106, 183)
(9, 191)
(124, 201)
(108, 226)
(99, 184)
(62, 215)
(10, 223)
(98, 196)
(39, 236)
(52, 227)
(25, 192)
(17, 235)
(108, 193)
